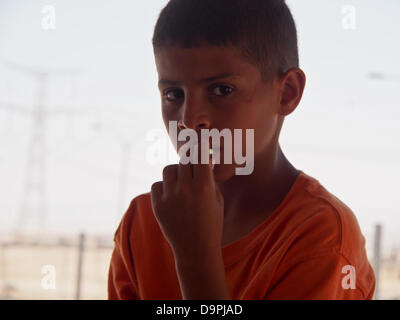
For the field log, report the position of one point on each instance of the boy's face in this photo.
(238, 100)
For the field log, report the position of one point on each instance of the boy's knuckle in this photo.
(155, 187)
(169, 168)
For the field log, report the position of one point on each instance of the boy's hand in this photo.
(189, 209)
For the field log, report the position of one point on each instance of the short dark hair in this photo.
(263, 30)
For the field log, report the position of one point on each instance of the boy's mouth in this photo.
(211, 159)
(212, 151)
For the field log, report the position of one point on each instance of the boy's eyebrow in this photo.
(209, 79)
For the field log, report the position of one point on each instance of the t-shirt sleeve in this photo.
(327, 276)
(122, 282)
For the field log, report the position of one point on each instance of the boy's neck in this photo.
(263, 190)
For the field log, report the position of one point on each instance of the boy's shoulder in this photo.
(138, 216)
(320, 222)
(320, 227)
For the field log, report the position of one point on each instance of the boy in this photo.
(205, 232)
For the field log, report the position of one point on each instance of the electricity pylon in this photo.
(33, 200)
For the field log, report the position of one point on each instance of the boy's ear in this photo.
(292, 85)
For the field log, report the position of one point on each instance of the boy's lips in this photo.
(211, 150)
(214, 150)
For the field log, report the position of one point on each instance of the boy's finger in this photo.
(203, 172)
(156, 193)
(185, 173)
(170, 176)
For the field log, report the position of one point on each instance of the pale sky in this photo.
(344, 133)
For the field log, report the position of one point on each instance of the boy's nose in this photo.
(194, 116)
(196, 124)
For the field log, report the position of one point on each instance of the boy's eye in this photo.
(218, 90)
(221, 90)
(172, 95)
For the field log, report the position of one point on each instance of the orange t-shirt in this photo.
(311, 247)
